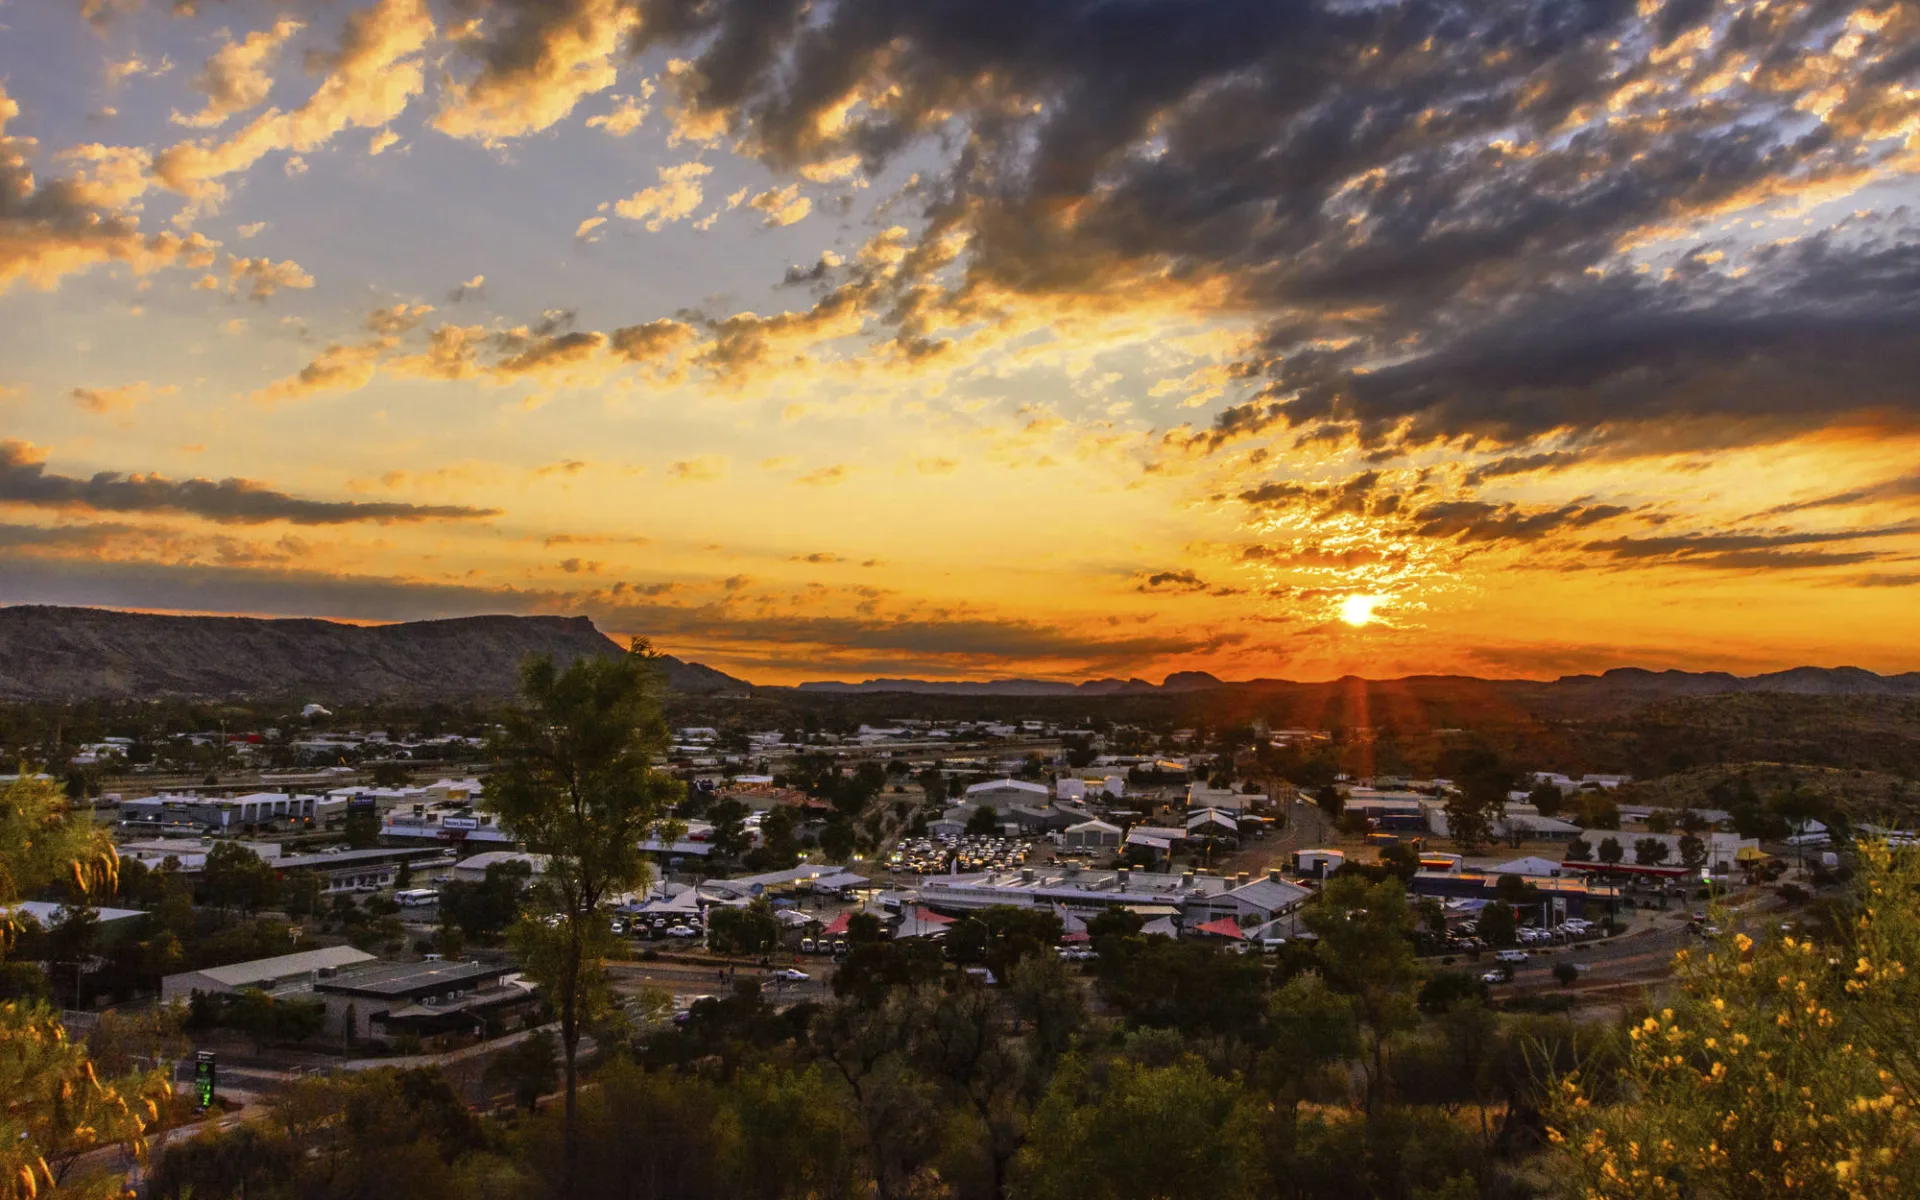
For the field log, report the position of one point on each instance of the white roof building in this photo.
(285, 973)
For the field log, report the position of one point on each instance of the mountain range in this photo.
(49, 653)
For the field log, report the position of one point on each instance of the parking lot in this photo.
(935, 855)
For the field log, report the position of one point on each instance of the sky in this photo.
(978, 338)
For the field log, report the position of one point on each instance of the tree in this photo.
(1651, 852)
(1565, 973)
(300, 892)
(485, 908)
(573, 780)
(984, 822)
(392, 775)
(1469, 821)
(529, 1069)
(1772, 1073)
(749, 930)
(1546, 798)
(729, 817)
(1122, 1131)
(59, 1108)
(1611, 852)
(1660, 821)
(1579, 850)
(363, 829)
(1366, 950)
(1497, 926)
(1330, 800)
(837, 838)
(237, 878)
(1693, 852)
(1597, 810)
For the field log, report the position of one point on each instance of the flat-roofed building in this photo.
(280, 975)
(425, 999)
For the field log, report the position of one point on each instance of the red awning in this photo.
(1225, 927)
(838, 925)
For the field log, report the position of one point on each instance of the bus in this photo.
(416, 897)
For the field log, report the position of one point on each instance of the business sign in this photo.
(460, 822)
(203, 1077)
(361, 804)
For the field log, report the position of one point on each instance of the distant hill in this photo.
(1623, 687)
(51, 653)
(1179, 681)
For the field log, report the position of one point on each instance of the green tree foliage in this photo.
(983, 822)
(1546, 798)
(1651, 852)
(1116, 1130)
(1780, 1069)
(749, 930)
(484, 908)
(1366, 950)
(1579, 850)
(1693, 852)
(59, 1107)
(728, 817)
(239, 880)
(1190, 986)
(1497, 926)
(573, 780)
(360, 1136)
(1611, 852)
(1000, 936)
(363, 829)
(530, 1068)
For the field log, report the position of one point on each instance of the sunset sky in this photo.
(978, 338)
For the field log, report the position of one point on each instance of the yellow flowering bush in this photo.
(1782, 1068)
(55, 1110)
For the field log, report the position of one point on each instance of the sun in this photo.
(1357, 609)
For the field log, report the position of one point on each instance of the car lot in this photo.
(935, 855)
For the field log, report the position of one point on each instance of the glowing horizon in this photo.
(1393, 342)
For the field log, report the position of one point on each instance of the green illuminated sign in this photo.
(203, 1077)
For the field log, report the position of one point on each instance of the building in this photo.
(1091, 835)
(1200, 796)
(455, 821)
(1195, 897)
(363, 870)
(287, 973)
(474, 869)
(188, 854)
(171, 812)
(1558, 898)
(1003, 794)
(425, 999)
(1318, 864)
(1213, 823)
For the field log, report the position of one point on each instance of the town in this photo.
(318, 898)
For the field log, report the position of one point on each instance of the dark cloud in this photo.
(1446, 176)
(1904, 488)
(1479, 521)
(1170, 581)
(1750, 551)
(25, 480)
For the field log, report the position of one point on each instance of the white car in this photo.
(1511, 956)
(792, 975)
(682, 931)
(1494, 977)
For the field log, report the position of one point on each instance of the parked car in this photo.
(806, 945)
(683, 931)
